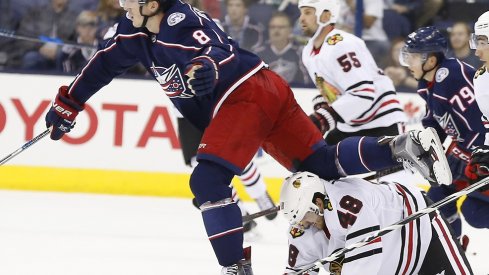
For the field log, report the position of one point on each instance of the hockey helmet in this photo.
(333, 6)
(481, 31)
(424, 41)
(298, 194)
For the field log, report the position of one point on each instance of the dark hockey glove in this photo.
(324, 119)
(202, 75)
(478, 167)
(62, 114)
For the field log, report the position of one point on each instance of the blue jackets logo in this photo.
(171, 81)
(448, 124)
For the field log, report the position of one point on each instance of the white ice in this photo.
(70, 234)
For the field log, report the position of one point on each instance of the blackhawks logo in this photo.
(296, 232)
(480, 71)
(326, 89)
(336, 266)
(333, 40)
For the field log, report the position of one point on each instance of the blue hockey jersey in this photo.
(451, 106)
(185, 33)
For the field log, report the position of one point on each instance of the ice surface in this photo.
(70, 234)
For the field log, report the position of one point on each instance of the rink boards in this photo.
(125, 142)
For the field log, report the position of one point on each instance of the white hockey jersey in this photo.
(481, 89)
(345, 72)
(356, 209)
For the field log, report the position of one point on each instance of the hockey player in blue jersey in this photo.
(230, 95)
(447, 87)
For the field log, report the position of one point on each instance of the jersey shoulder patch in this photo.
(296, 232)
(480, 71)
(334, 39)
(441, 74)
(175, 18)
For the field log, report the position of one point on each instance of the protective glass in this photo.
(408, 59)
(478, 41)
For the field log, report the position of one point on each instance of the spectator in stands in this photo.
(459, 44)
(398, 20)
(282, 53)
(53, 20)
(73, 59)
(400, 76)
(373, 32)
(82, 5)
(110, 12)
(418, 12)
(429, 9)
(212, 7)
(262, 10)
(240, 27)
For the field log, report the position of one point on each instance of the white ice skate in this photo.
(423, 151)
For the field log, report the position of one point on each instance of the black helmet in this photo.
(426, 40)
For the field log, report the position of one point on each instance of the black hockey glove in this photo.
(202, 75)
(478, 167)
(62, 114)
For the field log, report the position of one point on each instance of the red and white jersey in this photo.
(346, 72)
(481, 89)
(355, 210)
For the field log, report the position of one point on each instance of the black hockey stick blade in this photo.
(247, 218)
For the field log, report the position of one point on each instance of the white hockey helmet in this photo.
(481, 28)
(299, 191)
(333, 6)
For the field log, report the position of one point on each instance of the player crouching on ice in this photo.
(326, 216)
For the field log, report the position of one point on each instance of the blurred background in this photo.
(268, 28)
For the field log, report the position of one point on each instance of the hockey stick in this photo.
(395, 226)
(42, 39)
(247, 218)
(384, 173)
(25, 146)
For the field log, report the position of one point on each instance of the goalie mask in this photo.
(298, 195)
(481, 32)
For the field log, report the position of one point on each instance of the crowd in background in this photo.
(268, 28)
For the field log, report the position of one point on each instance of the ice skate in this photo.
(423, 151)
(243, 267)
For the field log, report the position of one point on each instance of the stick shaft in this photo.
(24, 147)
(42, 39)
